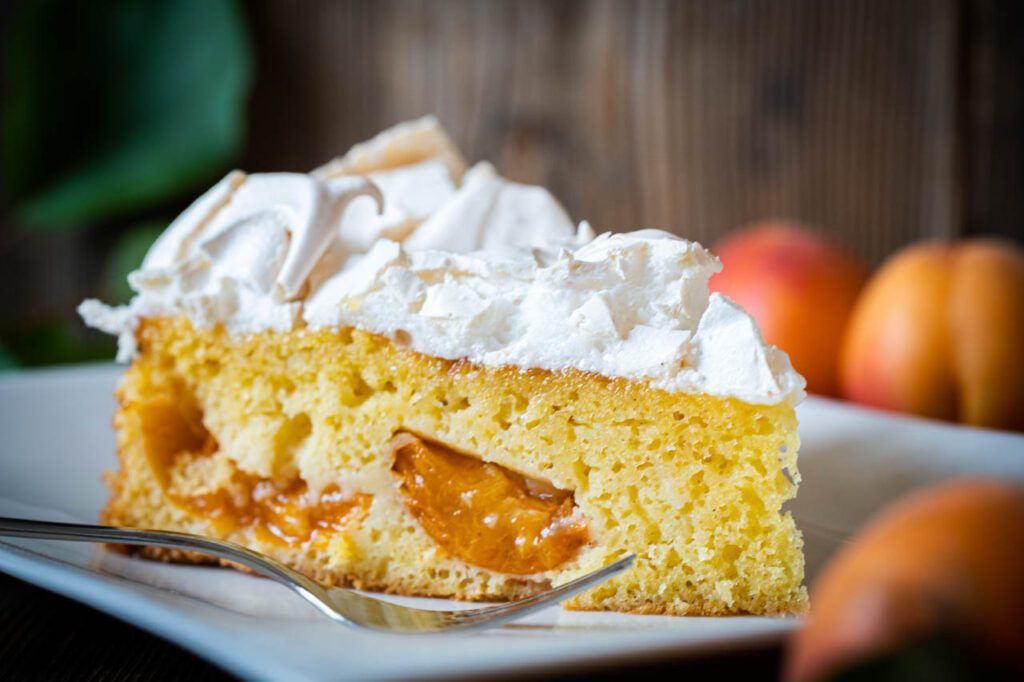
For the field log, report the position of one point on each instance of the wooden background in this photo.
(877, 121)
(854, 115)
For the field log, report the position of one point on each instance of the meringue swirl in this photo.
(397, 238)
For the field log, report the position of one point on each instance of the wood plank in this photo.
(993, 86)
(689, 116)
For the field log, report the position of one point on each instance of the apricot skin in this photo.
(799, 287)
(944, 562)
(938, 332)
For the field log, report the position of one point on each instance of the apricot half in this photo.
(939, 332)
(485, 514)
(799, 287)
(943, 565)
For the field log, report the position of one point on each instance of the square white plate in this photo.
(57, 441)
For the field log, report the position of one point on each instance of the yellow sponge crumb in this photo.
(280, 441)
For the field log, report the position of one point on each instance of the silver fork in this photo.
(339, 604)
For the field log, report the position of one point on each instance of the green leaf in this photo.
(118, 105)
(126, 256)
(7, 359)
(58, 341)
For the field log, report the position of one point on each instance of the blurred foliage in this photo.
(117, 105)
(7, 360)
(126, 255)
(51, 341)
(113, 111)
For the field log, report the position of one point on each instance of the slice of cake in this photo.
(399, 374)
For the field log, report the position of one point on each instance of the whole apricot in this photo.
(939, 331)
(799, 287)
(942, 565)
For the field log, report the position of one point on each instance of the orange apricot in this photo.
(799, 287)
(938, 332)
(485, 514)
(943, 564)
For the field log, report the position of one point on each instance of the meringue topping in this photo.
(397, 238)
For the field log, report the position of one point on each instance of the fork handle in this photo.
(222, 549)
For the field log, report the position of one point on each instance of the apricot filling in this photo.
(485, 514)
(289, 514)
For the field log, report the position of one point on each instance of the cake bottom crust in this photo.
(513, 591)
(333, 578)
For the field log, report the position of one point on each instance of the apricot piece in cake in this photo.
(287, 514)
(291, 515)
(485, 514)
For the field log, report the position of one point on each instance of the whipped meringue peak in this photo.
(240, 255)
(398, 238)
(489, 211)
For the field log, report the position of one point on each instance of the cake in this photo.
(402, 374)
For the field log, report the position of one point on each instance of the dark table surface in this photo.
(44, 636)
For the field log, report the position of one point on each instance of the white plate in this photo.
(56, 441)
